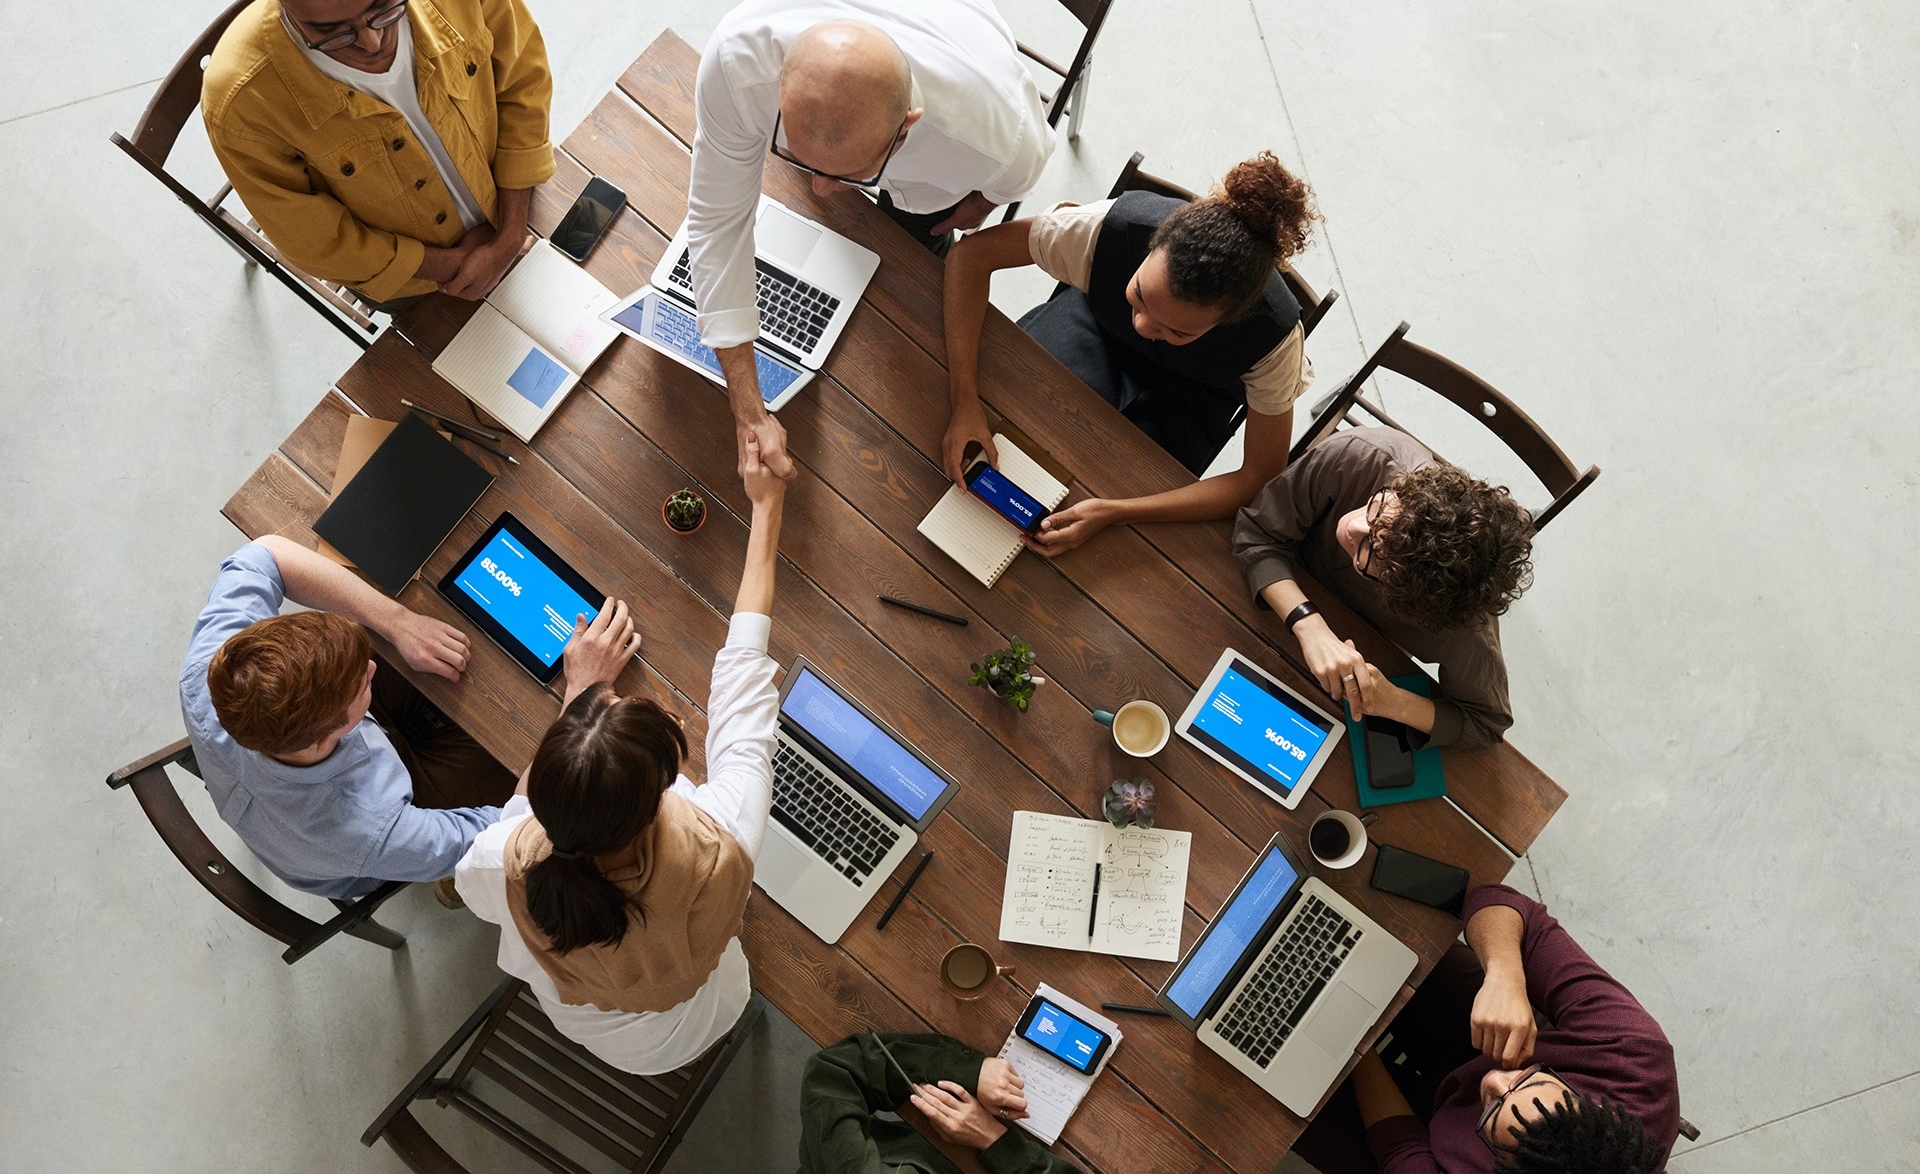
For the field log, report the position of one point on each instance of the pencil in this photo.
(902, 894)
(1133, 1010)
(473, 431)
(478, 443)
(925, 611)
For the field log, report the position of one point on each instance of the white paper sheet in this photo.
(1049, 898)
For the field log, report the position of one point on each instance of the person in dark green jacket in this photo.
(967, 1097)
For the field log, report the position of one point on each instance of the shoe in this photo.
(446, 894)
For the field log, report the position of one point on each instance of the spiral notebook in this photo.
(972, 533)
(1053, 1089)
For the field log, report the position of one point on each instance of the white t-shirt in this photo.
(984, 129)
(397, 88)
(742, 715)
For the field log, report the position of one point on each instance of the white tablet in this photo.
(1259, 729)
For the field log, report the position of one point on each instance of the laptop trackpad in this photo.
(780, 866)
(785, 238)
(1339, 1019)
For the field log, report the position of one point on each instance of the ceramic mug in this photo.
(967, 969)
(1140, 728)
(1337, 839)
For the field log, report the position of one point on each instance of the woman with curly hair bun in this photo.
(1175, 312)
(1426, 553)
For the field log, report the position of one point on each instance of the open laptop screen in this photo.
(1216, 956)
(814, 707)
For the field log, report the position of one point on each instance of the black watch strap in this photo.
(1299, 613)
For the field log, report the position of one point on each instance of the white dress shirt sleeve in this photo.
(742, 715)
(735, 101)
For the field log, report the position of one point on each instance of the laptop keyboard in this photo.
(791, 310)
(817, 808)
(1294, 972)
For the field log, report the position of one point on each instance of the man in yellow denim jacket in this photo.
(346, 184)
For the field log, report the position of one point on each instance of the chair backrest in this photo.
(147, 778)
(1313, 307)
(1471, 394)
(1091, 14)
(636, 1121)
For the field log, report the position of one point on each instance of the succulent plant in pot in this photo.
(1129, 802)
(1009, 673)
(684, 512)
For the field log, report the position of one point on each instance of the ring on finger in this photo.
(1347, 677)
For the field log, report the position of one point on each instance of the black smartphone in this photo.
(589, 218)
(1420, 878)
(1013, 503)
(1058, 1032)
(1389, 754)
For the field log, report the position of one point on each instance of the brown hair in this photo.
(1455, 551)
(594, 785)
(286, 682)
(1222, 249)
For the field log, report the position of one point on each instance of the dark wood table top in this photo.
(1138, 612)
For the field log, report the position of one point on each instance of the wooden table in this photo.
(1138, 612)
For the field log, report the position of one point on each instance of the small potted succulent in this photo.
(684, 512)
(1009, 673)
(1128, 802)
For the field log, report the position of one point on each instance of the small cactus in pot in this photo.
(685, 511)
(1129, 802)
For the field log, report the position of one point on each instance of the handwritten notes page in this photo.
(1054, 1090)
(1049, 898)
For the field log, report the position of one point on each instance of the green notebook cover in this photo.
(1429, 781)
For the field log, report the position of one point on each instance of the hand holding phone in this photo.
(1010, 501)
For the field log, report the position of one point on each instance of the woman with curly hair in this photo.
(1174, 311)
(1429, 555)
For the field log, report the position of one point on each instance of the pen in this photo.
(1133, 1010)
(925, 611)
(457, 425)
(1094, 911)
(902, 894)
(478, 443)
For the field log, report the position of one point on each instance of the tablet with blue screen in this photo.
(521, 595)
(1266, 733)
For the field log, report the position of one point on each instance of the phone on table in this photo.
(1058, 1032)
(1389, 753)
(1013, 503)
(1420, 878)
(589, 218)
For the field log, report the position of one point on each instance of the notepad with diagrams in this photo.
(1052, 1088)
(530, 342)
(972, 533)
(1050, 898)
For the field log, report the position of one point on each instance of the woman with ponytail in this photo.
(1174, 312)
(618, 885)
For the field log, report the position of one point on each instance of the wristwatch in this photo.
(1299, 613)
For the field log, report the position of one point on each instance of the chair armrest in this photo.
(416, 1148)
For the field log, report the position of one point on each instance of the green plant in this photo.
(685, 509)
(1009, 673)
(1129, 801)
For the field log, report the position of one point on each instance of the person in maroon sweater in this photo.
(1559, 1068)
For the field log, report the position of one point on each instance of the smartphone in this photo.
(587, 221)
(1079, 1044)
(1389, 754)
(1013, 503)
(1420, 878)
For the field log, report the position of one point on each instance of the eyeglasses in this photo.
(1527, 1076)
(384, 18)
(785, 156)
(1363, 557)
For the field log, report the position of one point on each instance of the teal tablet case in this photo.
(1429, 781)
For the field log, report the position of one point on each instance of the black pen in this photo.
(902, 894)
(471, 430)
(1130, 1009)
(925, 611)
(1094, 911)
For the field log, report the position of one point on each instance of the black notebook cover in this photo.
(402, 503)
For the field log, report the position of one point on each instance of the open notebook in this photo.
(972, 533)
(1053, 1089)
(1133, 904)
(530, 342)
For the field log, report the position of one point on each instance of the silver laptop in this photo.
(1287, 980)
(850, 799)
(809, 280)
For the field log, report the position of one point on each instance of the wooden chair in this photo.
(153, 141)
(151, 785)
(1070, 96)
(637, 1121)
(1469, 393)
(1313, 307)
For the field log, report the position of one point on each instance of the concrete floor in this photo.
(1683, 236)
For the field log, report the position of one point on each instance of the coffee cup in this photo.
(968, 969)
(1140, 728)
(1337, 839)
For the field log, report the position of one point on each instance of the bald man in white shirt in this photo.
(925, 106)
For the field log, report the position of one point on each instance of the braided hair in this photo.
(1580, 1135)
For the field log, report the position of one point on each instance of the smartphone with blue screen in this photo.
(1056, 1031)
(1010, 501)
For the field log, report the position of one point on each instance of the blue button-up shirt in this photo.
(336, 828)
